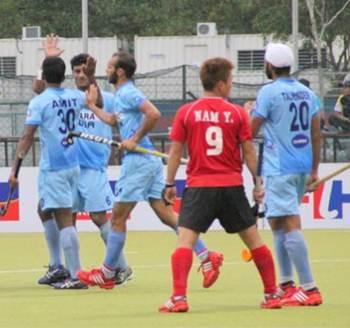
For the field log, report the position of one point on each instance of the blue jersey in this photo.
(94, 155)
(56, 112)
(287, 108)
(127, 101)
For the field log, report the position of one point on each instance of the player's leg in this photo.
(56, 194)
(124, 272)
(210, 260)
(181, 263)
(283, 195)
(279, 194)
(105, 276)
(97, 204)
(308, 293)
(235, 216)
(198, 211)
(56, 271)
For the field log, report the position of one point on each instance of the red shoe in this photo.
(95, 277)
(210, 268)
(286, 290)
(272, 301)
(174, 306)
(303, 297)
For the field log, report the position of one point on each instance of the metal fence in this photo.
(168, 89)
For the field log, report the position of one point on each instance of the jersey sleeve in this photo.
(134, 98)
(178, 130)
(245, 132)
(261, 108)
(34, 114)
(108, 102)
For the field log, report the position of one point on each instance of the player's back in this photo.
(288, 108)
(214, 130)
(55, 111)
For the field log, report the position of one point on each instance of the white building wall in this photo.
(153, 53)
(29, 53)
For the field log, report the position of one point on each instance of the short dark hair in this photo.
(79, 60)
(213, 71)
(127, 62)
(281, 70)
(54, 69)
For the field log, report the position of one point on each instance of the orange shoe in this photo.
(303, 298)
(174, 306)
(210, 268)
(272, 301)
(95, 277)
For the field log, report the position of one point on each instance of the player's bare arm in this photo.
(151, 116)
(251, 161)
(256, 124)
(173, 165)
(316, 148)
(24, 144)
(91, 99)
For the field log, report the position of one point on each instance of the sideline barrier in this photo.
(329, 207)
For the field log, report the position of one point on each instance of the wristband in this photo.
(169, 185)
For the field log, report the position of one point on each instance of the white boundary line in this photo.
(152, 266)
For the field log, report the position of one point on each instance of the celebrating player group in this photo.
(219, 139)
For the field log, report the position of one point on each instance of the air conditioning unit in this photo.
(31, 32)
(206, 29)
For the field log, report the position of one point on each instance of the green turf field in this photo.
(232, 302)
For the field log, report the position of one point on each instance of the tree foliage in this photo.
(175, 17)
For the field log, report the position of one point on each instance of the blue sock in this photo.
(284, 262)
(297, 251)
(116, 241)
(104, 231)
(70, 244)
(52, 235)
(199, 248)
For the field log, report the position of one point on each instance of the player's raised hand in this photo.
(90, 67)
(50, 46)
(91, 95)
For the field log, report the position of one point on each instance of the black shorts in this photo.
(202, 205)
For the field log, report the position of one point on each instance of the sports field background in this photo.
(232, 302)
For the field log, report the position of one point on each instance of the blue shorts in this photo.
(94, 193)
(141, 178)
(56, 188)
(283, 194)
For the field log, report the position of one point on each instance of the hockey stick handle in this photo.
(113, 143)
(329, 176)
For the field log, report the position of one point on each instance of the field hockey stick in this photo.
(329, 176)
(245, 253)
(3, 209)
(106, 141)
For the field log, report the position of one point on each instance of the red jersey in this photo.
(214, 130)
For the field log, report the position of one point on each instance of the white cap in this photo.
(279, 55)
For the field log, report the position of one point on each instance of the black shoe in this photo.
(70, 284)
(122, 276)
(53, 275)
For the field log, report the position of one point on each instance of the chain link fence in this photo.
(167, 88)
